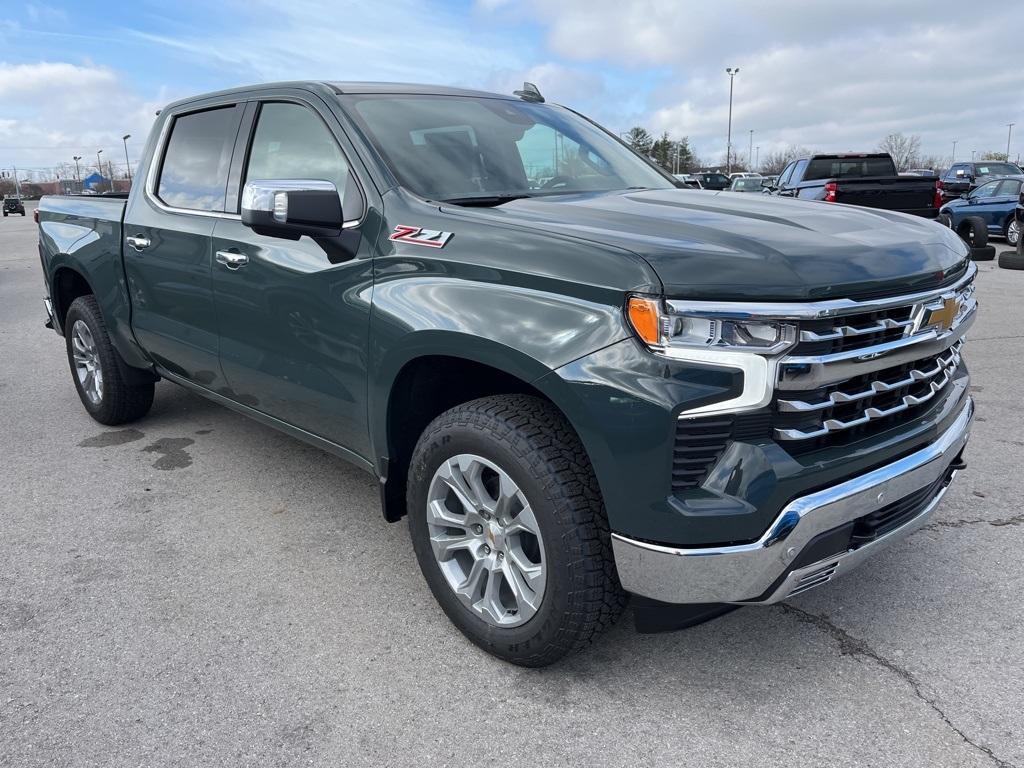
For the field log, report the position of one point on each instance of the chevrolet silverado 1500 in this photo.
(575, 380)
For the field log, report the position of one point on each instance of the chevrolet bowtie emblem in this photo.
(942, 318)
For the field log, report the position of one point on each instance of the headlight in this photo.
(663, 329)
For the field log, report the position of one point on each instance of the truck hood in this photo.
(734, 246)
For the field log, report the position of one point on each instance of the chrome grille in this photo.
(855, 402)
(862, 369)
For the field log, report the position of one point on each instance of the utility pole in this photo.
(731, 72)
(127, 164)
(1009, 133)
(750, 153)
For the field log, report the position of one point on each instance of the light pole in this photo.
(750, 153)
(78, 178)
(953, 159)
(731, 72)
(129, 165)
(973, 153)
(1009, 133)
(99, 168)
(757, 157)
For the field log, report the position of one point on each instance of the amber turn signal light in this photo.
(645, 317)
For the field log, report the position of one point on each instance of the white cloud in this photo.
(51, 111)
(812, 73)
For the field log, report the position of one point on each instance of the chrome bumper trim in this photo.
(741, 573)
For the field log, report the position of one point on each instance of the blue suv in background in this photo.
(994, 202)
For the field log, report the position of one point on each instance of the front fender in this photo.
(523, 332)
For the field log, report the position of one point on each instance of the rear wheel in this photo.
(974, 231)
(96, 369)
(1012, 232)
(509, 529)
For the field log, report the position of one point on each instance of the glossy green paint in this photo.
(310, 337)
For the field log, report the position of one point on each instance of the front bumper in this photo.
(772, 568)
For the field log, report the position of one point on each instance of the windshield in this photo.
(460, 148)
(998, 169)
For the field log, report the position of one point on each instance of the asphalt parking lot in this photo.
(197, 589)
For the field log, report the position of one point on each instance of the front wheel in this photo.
(95, 368)
(510, 531)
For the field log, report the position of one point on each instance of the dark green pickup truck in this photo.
(576, 380)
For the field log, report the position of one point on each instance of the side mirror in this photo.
(291, 208)
(766, 183)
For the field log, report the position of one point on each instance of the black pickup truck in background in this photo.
(868, 180)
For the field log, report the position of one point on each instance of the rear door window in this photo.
(194, 173)
(1008, 188)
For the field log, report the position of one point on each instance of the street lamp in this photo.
(129, 165)
(1009, 133)
(99, 169)
(953, 159)
(731, 72)
(750, 153)
(973, 153)
(757, 160)
(77, 177)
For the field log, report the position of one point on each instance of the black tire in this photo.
(945, 220)
(985, 253)
(974, 231)
(1010, 260)
(533, 443)
(120, 401)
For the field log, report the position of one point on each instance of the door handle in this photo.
(231, 259)
(138, 242)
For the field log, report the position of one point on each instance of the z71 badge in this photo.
(431, 238)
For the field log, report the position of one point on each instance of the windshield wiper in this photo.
(485, 201)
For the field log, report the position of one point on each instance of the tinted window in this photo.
(449, 147)
(195, 168)
(786, 173)
(849, 167)
(292, 142)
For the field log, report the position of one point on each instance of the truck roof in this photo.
(339, 87)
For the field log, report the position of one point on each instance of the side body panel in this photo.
(519, 301)
(84, 236)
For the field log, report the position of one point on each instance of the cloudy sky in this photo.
(76, 76)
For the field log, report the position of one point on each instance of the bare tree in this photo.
(903, 149)
(1000, 156)
(775, 162)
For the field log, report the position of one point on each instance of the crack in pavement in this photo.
(853, 646)
(998, 523)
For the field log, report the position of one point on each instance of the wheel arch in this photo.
(432, 376)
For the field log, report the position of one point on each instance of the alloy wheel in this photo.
(486, 540)
(87, 362)
(1013, 232)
